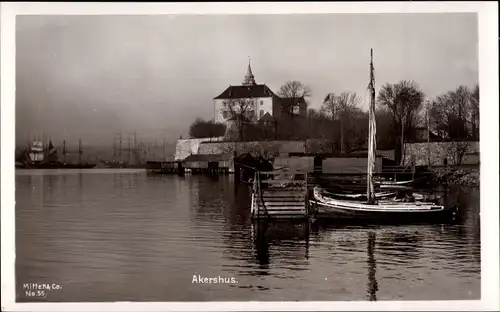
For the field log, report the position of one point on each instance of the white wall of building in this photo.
(266, 105)
(259, 104)
(219, 105)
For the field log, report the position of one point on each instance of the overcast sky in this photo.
(89, 77)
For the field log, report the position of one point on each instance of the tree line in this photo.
(342, 125)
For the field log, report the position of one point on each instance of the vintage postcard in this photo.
(249, 156)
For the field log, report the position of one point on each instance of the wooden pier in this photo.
(279, 195)
(165, 167)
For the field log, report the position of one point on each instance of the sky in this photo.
(90, 77)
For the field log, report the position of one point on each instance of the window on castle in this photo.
(225, 114)
(261, 113)
(261, 102)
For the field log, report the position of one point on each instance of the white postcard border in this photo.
(488, 80)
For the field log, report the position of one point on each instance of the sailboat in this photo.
(133, 151)
(39, 157)
(372, 206)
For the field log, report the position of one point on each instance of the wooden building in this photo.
(202, 163)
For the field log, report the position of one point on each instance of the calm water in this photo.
(118, 235)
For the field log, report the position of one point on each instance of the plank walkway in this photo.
(279, 197)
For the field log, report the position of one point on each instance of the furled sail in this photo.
(372, 135)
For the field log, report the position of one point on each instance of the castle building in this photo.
(255, 100)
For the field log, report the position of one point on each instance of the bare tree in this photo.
(474, 108)
(343, 107)
(457, 150)
(451, 112)
(330, 106)
(240, 112)
(322, 128)
(297, 93)
(440, 116)
(448, 113)
(460, 100)
(295, 90)
(404, 100)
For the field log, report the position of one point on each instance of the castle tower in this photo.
(249, 78)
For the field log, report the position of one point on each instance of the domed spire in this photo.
(249, 78)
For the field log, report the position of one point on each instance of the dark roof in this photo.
(207, 157)
(267, 117)
(244, 92)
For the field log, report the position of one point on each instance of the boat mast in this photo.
(64, 151)
(80, 152)
(120, 148)
(154, 149)
(164, 150)
(136, 150)
(403, 120)
(129, 149)
(428, 135)
(114, 147)
(372, 134)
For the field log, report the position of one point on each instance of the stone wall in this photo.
(185, 148)
(440, 151)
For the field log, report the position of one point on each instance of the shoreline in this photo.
(469, 177)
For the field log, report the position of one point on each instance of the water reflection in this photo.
(150, 234)
(372, 267)
(403, 245)
(290, 239)
(48, 184)
(261, 247)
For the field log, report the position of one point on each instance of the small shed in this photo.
(208, 161)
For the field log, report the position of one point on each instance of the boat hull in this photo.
(323, 210)
(384, 210)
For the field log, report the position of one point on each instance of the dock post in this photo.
(180, 168)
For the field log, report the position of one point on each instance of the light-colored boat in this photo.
(374, 206)
(358, 196)
(327, 207)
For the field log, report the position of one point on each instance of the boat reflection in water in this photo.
(288, 236)
(90, 229)
(294, 239)
(372, 267)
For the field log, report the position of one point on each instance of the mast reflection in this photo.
(372, 268)
(289, 240)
